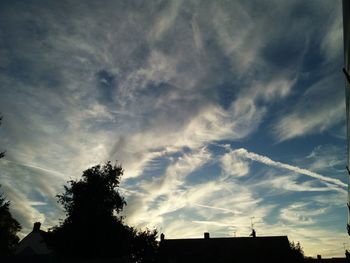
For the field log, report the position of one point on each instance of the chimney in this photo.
(206, 235)
(36, 227)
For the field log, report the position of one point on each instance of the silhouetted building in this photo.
(34, 244)
(230, 249)
(319, 259)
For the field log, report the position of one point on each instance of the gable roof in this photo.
(34, 243)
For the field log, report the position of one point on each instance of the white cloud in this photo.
(300, 214)
(31, 190)
(167, 194)
(332, 42)
(281, 183)
(321, 107)
(165, 20)
(326, 157)
(233, 164)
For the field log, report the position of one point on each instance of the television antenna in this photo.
(252, 222)
(253, 234)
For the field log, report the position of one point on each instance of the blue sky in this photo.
(219, 111)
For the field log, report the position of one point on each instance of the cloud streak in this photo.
(266, 160)
(219, 208)
(317, 110)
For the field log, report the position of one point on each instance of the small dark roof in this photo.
(230, 249)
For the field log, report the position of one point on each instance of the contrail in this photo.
(266, 160)
(37, 167)
(213, 223)
(219, 208)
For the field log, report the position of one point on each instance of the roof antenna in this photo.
(251, 222)
(347, 253)
(253, 234)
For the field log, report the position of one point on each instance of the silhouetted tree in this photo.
(95, 195)
(8, 225)
(297, 252)
(93, 227)
(8, 228)
(145, 247)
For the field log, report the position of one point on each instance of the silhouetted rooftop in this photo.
(226, 249)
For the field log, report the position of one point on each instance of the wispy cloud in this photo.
(318, 109)
(281, 183)
(78, 89)
(233, 164)
(300, 214)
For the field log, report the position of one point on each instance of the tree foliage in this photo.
(94, 196)
(297, 252)
(145, 246)
(8, 228)
(8, 225)
(93, 227)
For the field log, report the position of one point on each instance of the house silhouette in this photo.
(226, 249)
(33, 247)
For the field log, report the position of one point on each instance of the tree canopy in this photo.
(297, 252)
(8, 228)
(93, 227)
(94, 196)
(8, 225)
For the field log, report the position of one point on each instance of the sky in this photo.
(222, 113)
